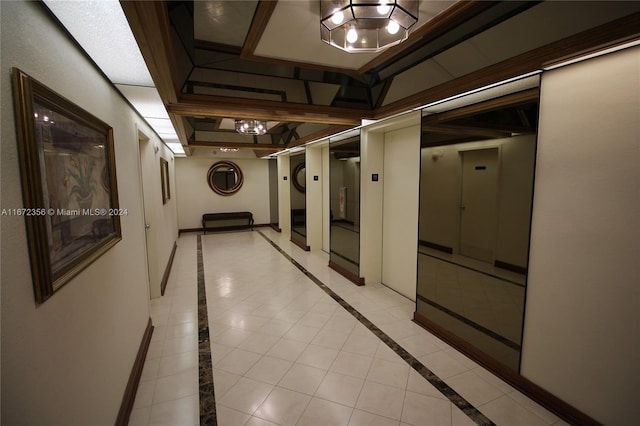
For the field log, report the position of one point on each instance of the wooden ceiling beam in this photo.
(261, 17)
(239, 145)
(149, 21)
(518, 98)
(318, 135)
(450, 129)
(495, 126)
(220, 106)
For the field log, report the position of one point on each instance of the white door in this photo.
(150, 178)
(479, 203)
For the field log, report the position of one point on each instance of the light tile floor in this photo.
(285, 353)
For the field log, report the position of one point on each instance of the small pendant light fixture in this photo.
(251, 127)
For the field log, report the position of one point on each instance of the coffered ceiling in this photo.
(215, 61)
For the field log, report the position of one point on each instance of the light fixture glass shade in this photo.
(366, 25)
(251, 127)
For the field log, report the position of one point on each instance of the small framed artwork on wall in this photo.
(164, 178)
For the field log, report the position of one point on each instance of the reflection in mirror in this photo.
(225, 178)
(344, 176)
(273, 195)
(476, 186)
(299, 177)
(298, 201)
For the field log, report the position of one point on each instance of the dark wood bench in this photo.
(227, 221)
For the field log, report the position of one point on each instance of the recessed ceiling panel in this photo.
(323, 93)
(416, 79)
(223, 22)
(461, 59)
(545, 23)
(307, 129)
(250, 85)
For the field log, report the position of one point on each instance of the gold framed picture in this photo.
(69, 188)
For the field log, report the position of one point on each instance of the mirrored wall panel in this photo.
(298, 200)
(344, 176)
(476, 187)
(273, 194)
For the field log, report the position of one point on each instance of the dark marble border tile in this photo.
(207, 394)
(465, 406)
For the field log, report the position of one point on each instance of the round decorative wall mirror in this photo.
(225, 178)
(300, 178)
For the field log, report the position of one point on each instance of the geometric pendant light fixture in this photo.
(366, 25)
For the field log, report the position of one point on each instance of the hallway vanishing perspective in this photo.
(294, 343)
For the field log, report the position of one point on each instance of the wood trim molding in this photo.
(167, 270)
(210, 45)
(527, 387)
(299, 244)
(261, 17)
(435, 246)
(221, 106)
(149, 22)
(275, 227)
(519, 98)
(256, 146)
(359, 281)
(134, 378)
(453, 129)
(510, 267)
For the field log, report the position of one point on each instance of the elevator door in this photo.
(479, 203)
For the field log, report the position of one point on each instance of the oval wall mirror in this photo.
(300, 178)
(225, 178)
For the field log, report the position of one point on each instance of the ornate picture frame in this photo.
(70, 194)
(225, 178)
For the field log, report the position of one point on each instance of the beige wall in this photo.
(400, 209)
(284, 195)
(581, 335)
(315, 211)
(195, 198)
(371, 201)
(326, 200)
(67, 361)
(161, 218)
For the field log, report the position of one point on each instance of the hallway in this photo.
(285, 352)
